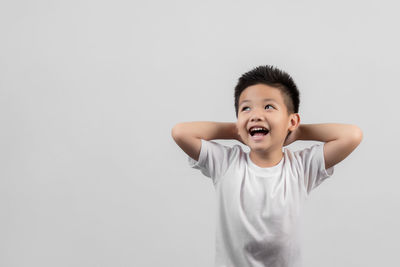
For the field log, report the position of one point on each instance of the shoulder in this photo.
(231, 150)
(310, 159)
(307, 151)
(304, 155)
(216, 159)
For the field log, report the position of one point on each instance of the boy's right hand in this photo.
(238, 137)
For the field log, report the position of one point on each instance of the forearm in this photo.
(207, 130)
(326, 132)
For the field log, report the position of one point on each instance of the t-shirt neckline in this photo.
(273, 170)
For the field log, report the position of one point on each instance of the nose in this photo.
(256, 115)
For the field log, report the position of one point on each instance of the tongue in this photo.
(259, 134)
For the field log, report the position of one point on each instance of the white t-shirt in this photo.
(258, 208)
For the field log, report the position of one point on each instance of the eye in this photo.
(265, 106)
(268, 105)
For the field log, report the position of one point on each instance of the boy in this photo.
(260, 194)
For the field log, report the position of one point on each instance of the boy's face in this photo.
(271, 114)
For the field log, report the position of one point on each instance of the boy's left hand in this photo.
(293, 136)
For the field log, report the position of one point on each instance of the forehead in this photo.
(260, 93)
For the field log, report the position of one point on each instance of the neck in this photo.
(265, 159)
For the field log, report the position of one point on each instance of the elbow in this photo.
(175, 131)
(357, 134)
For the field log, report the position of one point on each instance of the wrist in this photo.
(299, 132)
(234, 132)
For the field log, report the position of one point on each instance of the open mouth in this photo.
(258, 131)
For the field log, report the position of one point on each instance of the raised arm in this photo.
(188, 135)
(340, 139)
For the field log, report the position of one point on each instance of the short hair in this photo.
(274, 77)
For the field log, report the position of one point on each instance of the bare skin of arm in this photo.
(188, 135)
(340, 139)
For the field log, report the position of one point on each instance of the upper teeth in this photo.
(257, 128)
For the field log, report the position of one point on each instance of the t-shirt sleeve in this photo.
(213, 159)
(313, 166)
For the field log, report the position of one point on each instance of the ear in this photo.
(294, 122)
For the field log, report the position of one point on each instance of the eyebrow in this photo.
(265, 99)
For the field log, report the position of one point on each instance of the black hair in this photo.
(274, 77)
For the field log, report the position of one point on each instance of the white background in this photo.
(89, 93)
